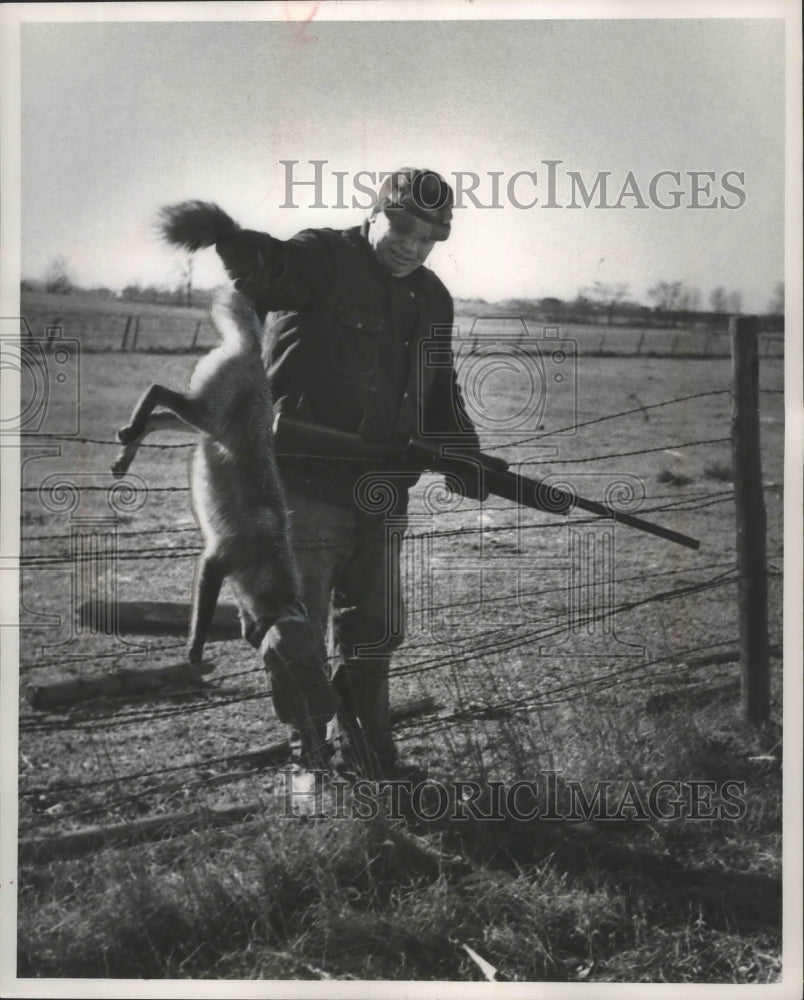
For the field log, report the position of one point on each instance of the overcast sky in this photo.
(118, 119)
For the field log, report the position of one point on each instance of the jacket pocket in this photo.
(353, 343)
(358, 319)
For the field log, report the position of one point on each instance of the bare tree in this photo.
(690, 299)
(667, 297)
(776, 304)
(610, 295)
(718, 300)
(735, 300)
(57, 276)
(186, 266)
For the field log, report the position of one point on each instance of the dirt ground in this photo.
(488, 589)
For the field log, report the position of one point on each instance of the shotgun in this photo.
(296, 437)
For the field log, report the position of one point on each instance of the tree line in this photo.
(673, 303)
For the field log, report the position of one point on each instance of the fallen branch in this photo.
(159, 618)
(49, 694)
(78, 842)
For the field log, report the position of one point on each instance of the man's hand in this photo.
(250, 256)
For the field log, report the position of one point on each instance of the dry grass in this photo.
(644, 902)
(675, 901)
(674, 478)
(721, 472)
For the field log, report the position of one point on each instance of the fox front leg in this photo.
(165, 420)
(188, 409)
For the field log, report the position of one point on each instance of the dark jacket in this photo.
(350, 347)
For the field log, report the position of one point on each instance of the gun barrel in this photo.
(539, 495)
(638, 522)
(294, 437)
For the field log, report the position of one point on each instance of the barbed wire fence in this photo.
(422, 657)
(169, 330)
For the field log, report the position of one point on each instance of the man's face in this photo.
(400, 251)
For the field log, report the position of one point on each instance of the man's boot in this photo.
(362, 686)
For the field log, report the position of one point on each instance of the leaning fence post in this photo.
(750, 503)
(195, 334)
(123, 342)
(135, 334)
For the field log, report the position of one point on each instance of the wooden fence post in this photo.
(123, 342)
(195, 334)
(53, 334)
(135, 334)
(751, 528)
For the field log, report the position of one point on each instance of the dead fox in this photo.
(237, 494)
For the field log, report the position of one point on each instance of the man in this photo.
(348, 317)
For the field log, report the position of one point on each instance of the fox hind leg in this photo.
(209, 578)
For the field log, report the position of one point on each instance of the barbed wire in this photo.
(504, 598)
(709, 499)
(56, 487)
(481, 509)
(186, 551)
(548, 698)
(477, 509)
(564, 693)
(514, 642)
(490, 642)
(625, 454)
(676, 446)
(610, 416)
(81, 439)
(133, 533)
(437, 724)
(207, 762)
(149, 650)
(83, 658)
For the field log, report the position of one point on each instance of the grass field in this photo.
(541, 663)
(99, 324)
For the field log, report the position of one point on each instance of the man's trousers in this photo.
(349, 565)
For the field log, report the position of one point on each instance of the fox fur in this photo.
(236, 491)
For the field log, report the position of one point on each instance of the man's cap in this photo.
(410, 193)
